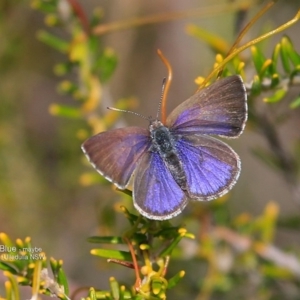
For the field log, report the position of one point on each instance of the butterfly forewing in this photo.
(219, 109)
(211, 167)
(156, 195)
(116, 153)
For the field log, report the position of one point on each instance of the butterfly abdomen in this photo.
(163, 142)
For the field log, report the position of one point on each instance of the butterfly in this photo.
(177, 161)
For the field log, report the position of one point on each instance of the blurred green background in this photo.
(40, 157)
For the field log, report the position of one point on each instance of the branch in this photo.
(267, 251)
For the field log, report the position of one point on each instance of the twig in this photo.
(78, 10)
(267, 251)
(170, 16)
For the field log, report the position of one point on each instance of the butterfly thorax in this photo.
(163, 143)
(162, 140)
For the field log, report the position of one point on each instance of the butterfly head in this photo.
(155, 124)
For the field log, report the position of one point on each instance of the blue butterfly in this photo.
(178, 160)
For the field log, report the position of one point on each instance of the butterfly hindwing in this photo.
(156, 195)
(211, 166)
(115, 153)
(219, 109)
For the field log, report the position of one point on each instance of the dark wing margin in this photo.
(219, 109)
(115, 153)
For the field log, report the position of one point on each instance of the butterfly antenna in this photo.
(130, 112)
(161, 97)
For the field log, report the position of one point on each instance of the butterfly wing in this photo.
(156, 195)
(115, 153)
(211, 167)
(218, 109)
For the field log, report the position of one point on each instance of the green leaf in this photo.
(275, 80)
(256, 86)
(132, 218)
(44, 6)
(276, 97)
(65, 111)
(285, 58)
(114, 254)
(125, 294)
(295, 103)
(167, 233)
(114, 287)
(62, 280)
(217, 43)
(276, 272)
(290, 222)
(289, 49)
(156, 285)
(295, 72)
(54, 264)
(67, 87)
(172, 282)
(258, 59)
(36, 278)
(167, 251)
(6, 240)
(126, 192)
(93, 295)
(97, 16)
(106, 240)
(275, 56)
(266, 68)
(52, 20)
(106, 64)
(14, 289)
(63, 68)
(53, 41)
(8, 267)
